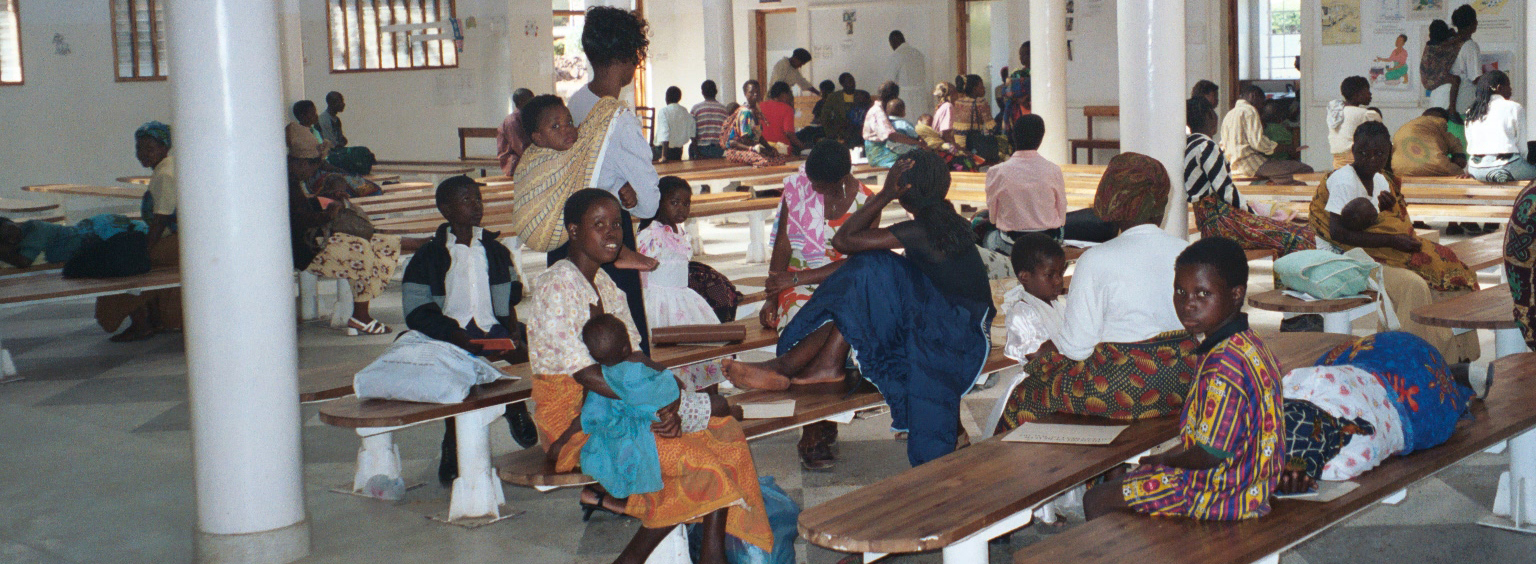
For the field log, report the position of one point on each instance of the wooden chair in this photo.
(467, 133)
(1091, 142)
(647, 117)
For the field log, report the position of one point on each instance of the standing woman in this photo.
(1496, 133)
(816, 202)
(743, 133)
(706, 475)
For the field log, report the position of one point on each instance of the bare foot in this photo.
(821, 377)
(747, 376)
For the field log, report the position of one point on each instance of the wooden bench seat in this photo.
(1482, 251)
(18, 205)
(402, 187)
(123, 192)
(1508, 413)
(1490, 308)
(1337, 314)
(960, 501)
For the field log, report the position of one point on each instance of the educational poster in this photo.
(1495, 21)
(1426, 10)
(1392, 72)
(1497, 60)
(1341, 22)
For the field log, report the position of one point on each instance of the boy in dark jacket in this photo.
(462, 286)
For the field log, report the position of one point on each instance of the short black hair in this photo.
(1027, 132)
(1437, 112)
(801, 55)
(669, 184)
(1353, 85)
(302, 107)
(1198, 113)
(1439, 31)
(581, 201)
(750, 82)
(1253, 90)
(600, 335)
(846, 79)
(331, 96)
(827, 87)
(896, 34)
(1204, 88)
(888, 91)
(829, 161)
(777, 89)
(1030, 250)
(612, 35)
(451, 186)
(535, 109)
(1221, 253)
(709, 89)
(1464, 16)
(674, 94)
(1371, 129)
(522, 94)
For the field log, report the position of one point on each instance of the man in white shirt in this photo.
(909, 69)
(787, 70)
(674, 126)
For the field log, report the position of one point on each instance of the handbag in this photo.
(1330, 276)
(352, 221)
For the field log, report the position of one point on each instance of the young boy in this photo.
(708, 117)
(462, 287)
(1034, 314)
(674, 126)
(1347, 114)
(1232, 450)
(896, 110)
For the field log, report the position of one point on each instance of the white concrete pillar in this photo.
(1048, 74)
(1152, 93)
(720, 48)
(292, 37)
(237, 280)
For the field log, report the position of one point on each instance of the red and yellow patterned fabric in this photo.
(1119, 380)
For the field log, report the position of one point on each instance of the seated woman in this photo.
(154, 311)
(707, 476)
(919, 324)
(1220, 210)
(326, 180)
(880, 135)
(22, 244)
(1377, 396)
(1391, 241)
(970, 117)
(1120, 307)
(742, 135)
(1496, 139)
(1230, 453)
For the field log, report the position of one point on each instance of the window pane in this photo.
(10, 42)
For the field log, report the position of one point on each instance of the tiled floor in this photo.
(97, 466)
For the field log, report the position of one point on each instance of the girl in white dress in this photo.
(668, 299)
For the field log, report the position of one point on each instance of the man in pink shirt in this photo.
(510, 137)
(1025, 193)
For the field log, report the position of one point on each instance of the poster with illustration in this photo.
(1426, 10)
(1495, 20)
(1341, 22)
(1391, 71)
(1497, 60)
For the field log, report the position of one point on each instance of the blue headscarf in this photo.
(160, 132)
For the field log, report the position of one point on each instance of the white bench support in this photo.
(1340, 321)
(1396, 497)
(672, 550)
(341, 313)
(1514, 506)
(309, 296)
(378, 456)
(1507, 342)
(477, 492)
(757, 245)
(973, 549)
(7, 366)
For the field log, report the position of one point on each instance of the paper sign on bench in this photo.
(1326, 491)
(1065, 434)
(768, 409)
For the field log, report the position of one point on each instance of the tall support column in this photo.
(1048, 74)
(720, 47)
(292, 43)
(1530, 59)
(1152, 93)
(237, 280)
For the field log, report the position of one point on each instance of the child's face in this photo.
(464, 208)
(1203, 300)
(674, 207)
(1359, 214)
(897, 110)
(1046, 280)
(1362, 98)
(1401, 40)
(926, 119)
(556, 129)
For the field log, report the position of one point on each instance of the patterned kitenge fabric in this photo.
(546, 178)
(1134, 188)
(1313, 436)
(746, 126)
(1217, 218)
(1436, 264)
(809, 231)
(1520, 260)
(367, 264)
(1429, 401)
(1234, 413)
(1119, 380)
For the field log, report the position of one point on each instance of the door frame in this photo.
(760, 43)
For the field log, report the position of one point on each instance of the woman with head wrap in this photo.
(1123, 352)
(156, 310)
(917, 324)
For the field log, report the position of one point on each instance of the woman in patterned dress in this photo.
(1220, 209)
(742, 135)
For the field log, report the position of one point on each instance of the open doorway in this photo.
(975, 40)
(571, 68)
(776, 38)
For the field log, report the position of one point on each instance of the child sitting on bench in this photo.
(669, 298)
(1232, 450)
(1034, 314)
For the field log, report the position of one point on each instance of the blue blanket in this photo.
(1429, 401)
(621, 452)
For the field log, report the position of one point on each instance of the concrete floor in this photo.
(97, 465)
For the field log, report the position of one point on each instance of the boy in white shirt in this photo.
(1033, 310)
(674, 126)
(1347, 114)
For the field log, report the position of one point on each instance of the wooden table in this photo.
(125, 192)
(960, 501)
(1337, 314)
(1489, 308)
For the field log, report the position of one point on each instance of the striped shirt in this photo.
(1206, 173)
(709, 117)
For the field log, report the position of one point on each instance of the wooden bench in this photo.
(467, 133)
(49, 285)
(1481, 252)
(1509, 414)
(1489, 308)
(21, 206)
(1090, 143)
(960, 501)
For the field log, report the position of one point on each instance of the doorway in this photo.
(776, 35)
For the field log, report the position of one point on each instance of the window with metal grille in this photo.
(10, 43)
(138, 39)
(379, 35)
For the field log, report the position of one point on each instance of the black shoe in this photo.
(448, 468)
(1309, 323)
(1490, 227)
(1455, 229)
(520, 422)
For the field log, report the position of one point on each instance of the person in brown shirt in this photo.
(1424, 147)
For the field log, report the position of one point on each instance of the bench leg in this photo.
(342, 312)
(377, 457)
(973, 549)
(1271, 559)
(1013, 376)
(1337, 322)
(1514, 506)
(672, 550)
(309, 296)
(1396, 497)
(757, 247)
(7, 366)
(1507, 342)
(476, 492)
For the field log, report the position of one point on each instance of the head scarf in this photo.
(1134, 188)
(160, 132)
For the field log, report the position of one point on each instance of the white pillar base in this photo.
(1337, 322)
(286, 544)
(342, 312)
(309, 296)
(672, 550)
(757, 246)
(1507, 342)
(378, 456)
(695, 240)
(476, 492)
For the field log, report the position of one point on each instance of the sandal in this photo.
(355, 327)
(587, 509)
(817, 458)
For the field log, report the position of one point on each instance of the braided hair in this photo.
(927, 201)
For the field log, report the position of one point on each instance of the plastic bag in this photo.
(419, 368)
(783, 514)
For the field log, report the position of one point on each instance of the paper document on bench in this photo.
(1065, 434)
(768, 409)
(1326, 492)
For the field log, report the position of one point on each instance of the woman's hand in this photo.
(670, 424)
(1295, 481)
(1405, 243)
(1386, 201)
(627, 196)
(894, 187)
(780, 281)
(769, 315)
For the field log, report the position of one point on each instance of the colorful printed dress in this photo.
(1435, 263)
(1234, 413)
(810, 236)
(746, 126)
(701, 472)
(1520, 261)
(1219, 207)
(668, 299)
